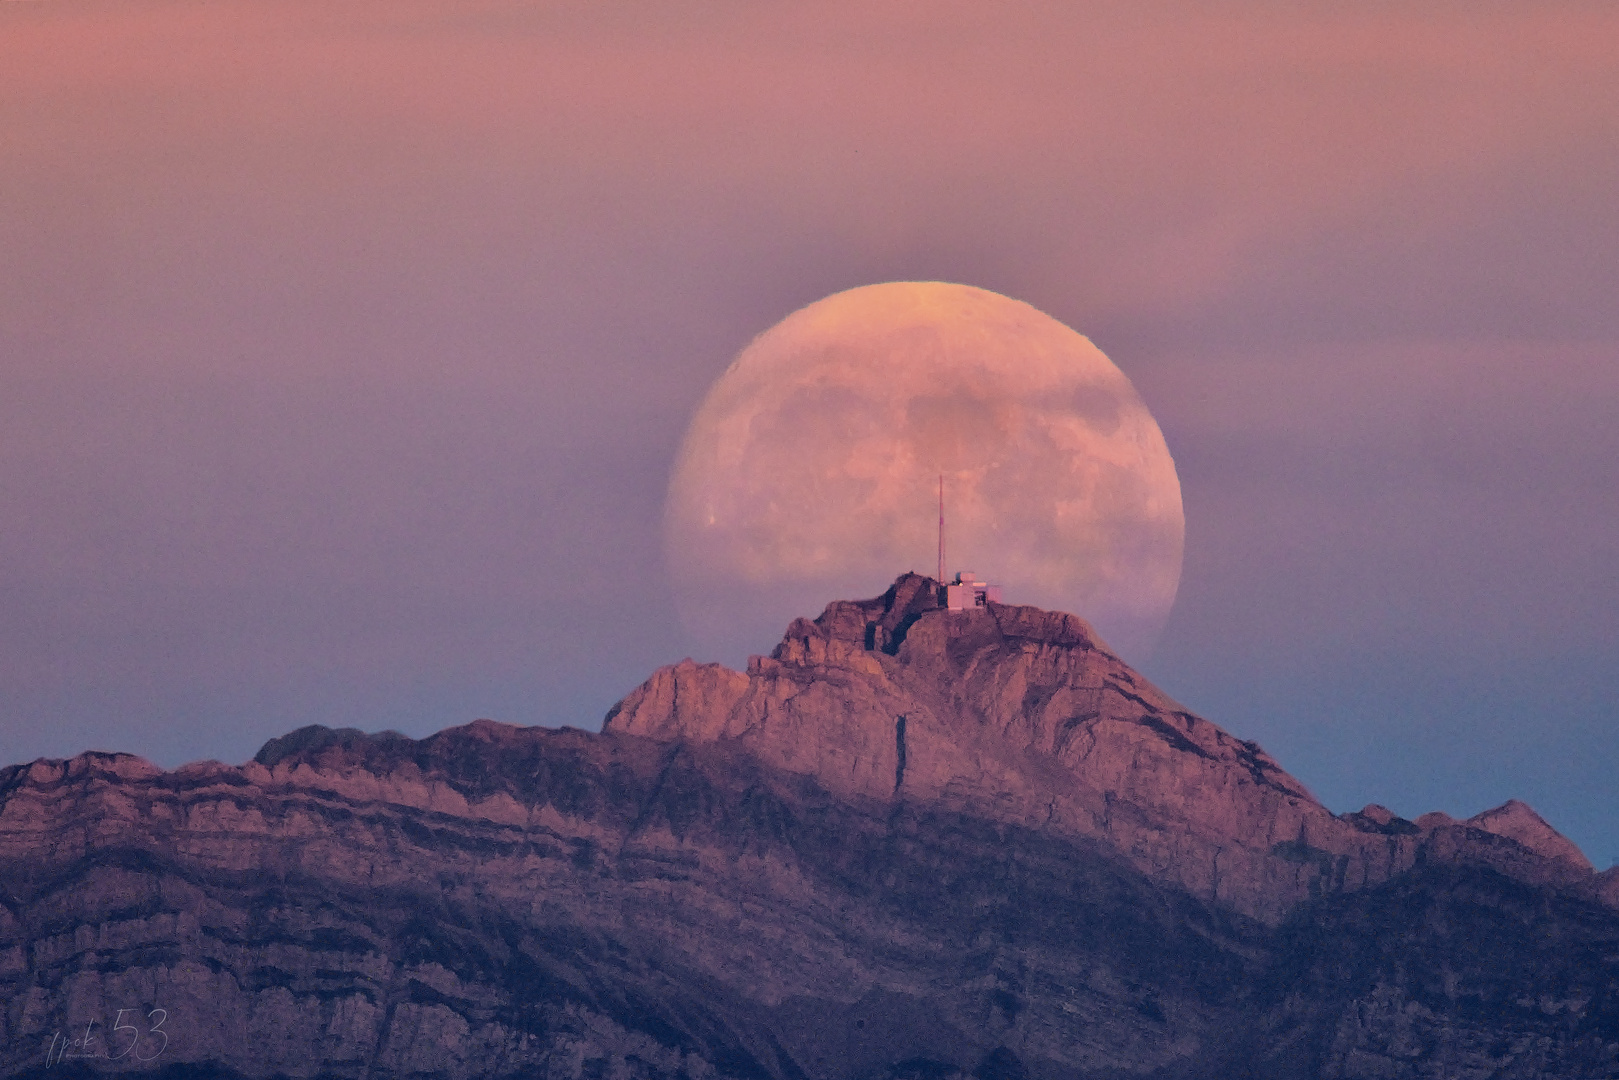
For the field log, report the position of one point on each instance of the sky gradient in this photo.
(345, 348)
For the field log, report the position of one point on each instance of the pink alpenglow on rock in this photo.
(1516, 821)
(911, 841)
(1028, 715)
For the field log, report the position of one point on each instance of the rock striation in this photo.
(909, 844)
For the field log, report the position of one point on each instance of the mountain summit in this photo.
(911, 844)
(1025, 716)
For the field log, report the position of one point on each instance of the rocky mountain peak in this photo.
(1516, 821)
(885, 623)
(908, 843)
(1026, 716)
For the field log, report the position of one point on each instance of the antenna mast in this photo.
(941, 528)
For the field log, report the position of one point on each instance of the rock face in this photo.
(1516, 821)
(909, 844)
(1024, 715)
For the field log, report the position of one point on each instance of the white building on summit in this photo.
(968, 592)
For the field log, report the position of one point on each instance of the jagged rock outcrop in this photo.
(903, 846)
(1026, 715)
(1516, 821)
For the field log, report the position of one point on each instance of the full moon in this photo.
(811, 470)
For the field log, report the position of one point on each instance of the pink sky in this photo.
(346, 346)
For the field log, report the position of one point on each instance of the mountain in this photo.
(1024, 716)
(911, 843)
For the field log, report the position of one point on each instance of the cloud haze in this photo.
(346, 348)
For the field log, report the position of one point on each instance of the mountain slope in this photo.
(377, 905)
(1047, 870)
(1025, 715)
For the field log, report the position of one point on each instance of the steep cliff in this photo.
(1025, 715)
(909, 844)
(496, 901)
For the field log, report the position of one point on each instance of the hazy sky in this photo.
(346, 346)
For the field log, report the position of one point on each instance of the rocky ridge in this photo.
(908, 844)
(1026, 715)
